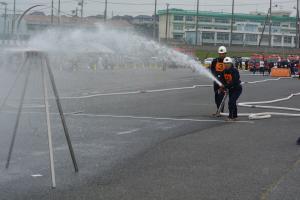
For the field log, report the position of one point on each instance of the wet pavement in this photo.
(148, 134)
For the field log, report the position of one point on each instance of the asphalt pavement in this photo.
(148, 134)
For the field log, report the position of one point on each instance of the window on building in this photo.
(206, 27)
(240, 27)
(255, 21)
(237, 37)
(205, 19)
(222, 28)
(251, 37)
(208, 35)
(277, 39)
(222, 36)
(251, 28)
(287, 39)
(285, 25)
(265, 39)
(190, 26)
(178, 17)
(178, 27)
(276, 24)
(222, 20)
(189, 18)
(177, 36)
(293, 25)
(240, 20)
(276, 30)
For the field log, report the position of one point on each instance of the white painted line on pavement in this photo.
(156, 118)
(128, 132)
(265, 80)
(136, 117)
(36, 175)
(154, 90)
(135, 92)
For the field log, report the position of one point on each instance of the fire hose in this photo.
(263, 105)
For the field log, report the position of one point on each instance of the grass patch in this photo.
(201, 54)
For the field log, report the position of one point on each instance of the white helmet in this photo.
(227, 60)
(222, 49)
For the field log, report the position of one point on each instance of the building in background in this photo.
(143, 19)
(214, 28)
(36, 22)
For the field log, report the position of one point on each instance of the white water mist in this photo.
(78, 44)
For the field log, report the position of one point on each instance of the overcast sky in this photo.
(137, 7)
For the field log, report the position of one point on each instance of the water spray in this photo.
(106, 41)
(61, 44)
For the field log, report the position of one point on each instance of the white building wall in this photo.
(285, 29)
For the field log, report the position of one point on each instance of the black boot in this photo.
(298, 141)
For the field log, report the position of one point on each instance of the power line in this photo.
(161, 4)
(151, 4)
(186, 4)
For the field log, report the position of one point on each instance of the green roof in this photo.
(226, 15)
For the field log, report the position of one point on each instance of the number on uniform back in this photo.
(228, 78)
(220, 67)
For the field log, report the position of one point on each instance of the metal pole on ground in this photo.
(44, 61)
(18, 115)
(61, 113)
(13, 85)
(51, 157)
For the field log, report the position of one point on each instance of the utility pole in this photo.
(105, 11)
(81, 10)
(264, 27)
(5, 17)
(270, 25)
(154, 21)
(14, 18)
(297, 27)
(197, 23)
(232, 21)
(58, 12)
(167, 22)
(52, 10)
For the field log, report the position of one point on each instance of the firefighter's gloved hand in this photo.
(222, 89)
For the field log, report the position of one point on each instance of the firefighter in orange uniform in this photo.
(217, 68)
(232, 84)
